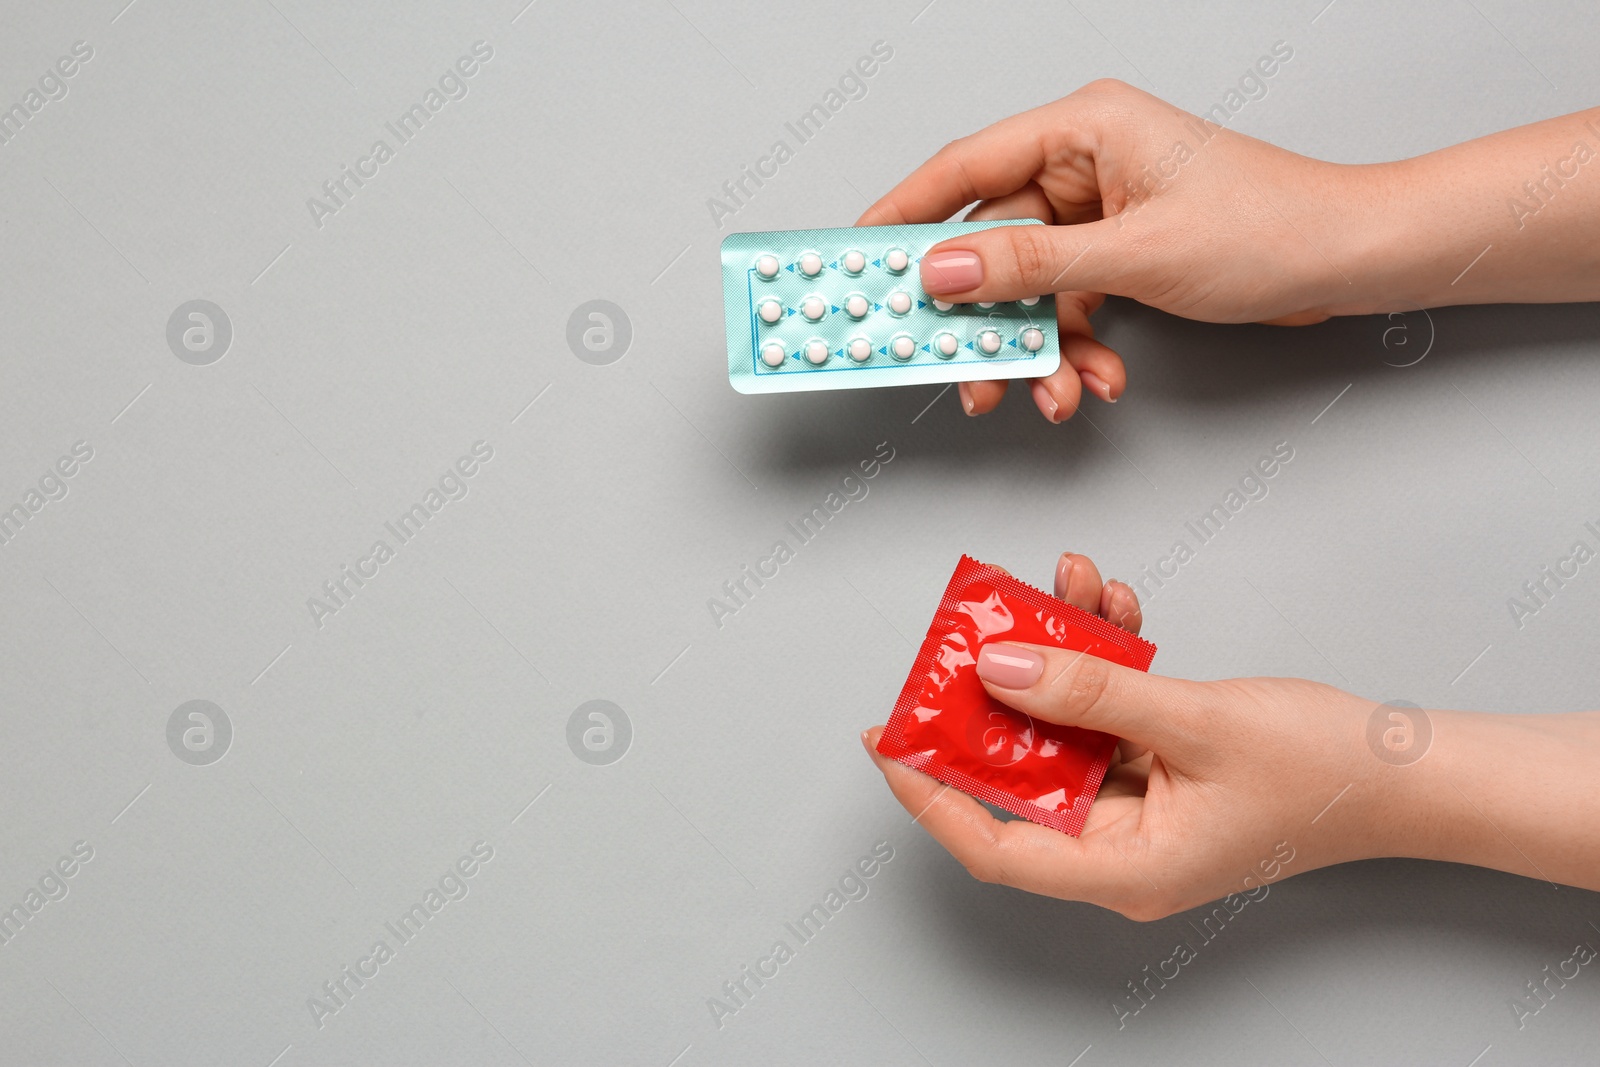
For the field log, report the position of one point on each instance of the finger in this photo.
(1120, 604)
(1029, 202)
(978, 398)
(992, 163)
(1099, 370)
(1077, 689)
(1012, 262)
(1017, 853)
(1078, 581)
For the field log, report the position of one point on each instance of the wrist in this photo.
(1507, 792)
(1391, 245)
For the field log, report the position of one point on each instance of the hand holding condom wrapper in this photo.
(946, 724)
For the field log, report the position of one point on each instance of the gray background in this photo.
(368, 755)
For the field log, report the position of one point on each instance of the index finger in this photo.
(994, 162)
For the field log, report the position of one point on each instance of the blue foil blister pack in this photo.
(845, 309)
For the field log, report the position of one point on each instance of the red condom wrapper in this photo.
(946, 725)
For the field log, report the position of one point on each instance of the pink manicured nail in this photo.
(951, 272)
(966, 397)
(1009, 666)
(1064, 575)
(1046, 402)
(1097, 385)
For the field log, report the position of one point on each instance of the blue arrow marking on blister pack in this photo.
(789, 267)
(835, 308)
(969, 344)
(921, 304)
(789, 311)
(1012, 342)
(925, 348)
(883, 351)
(877, 263)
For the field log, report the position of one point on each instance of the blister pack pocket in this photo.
(845, 309)
(946, 724)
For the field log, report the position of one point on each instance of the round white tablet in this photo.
(942, 305)
(772, 354)
(855, 305)
(1032, 339)
(899, 301)
(860, 349)
(853, 262)
(903, 347)
(813, 307)
(896, 259)
(770, 311)
(986, 303)
(816, 353)
(988, 342)
(1028, 301)
(946, 344)
(767, 266)
(811, 264)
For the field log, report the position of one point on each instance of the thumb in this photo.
(1013, 262)
(1077, 689)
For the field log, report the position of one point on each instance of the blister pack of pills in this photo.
(845, 309)
(946, 724)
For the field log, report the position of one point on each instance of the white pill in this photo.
(1032, 339)
(986, 303)
(772, 354)
(903, 347)
(942, 305)
(896, 260)
(770, 311)
(855, 305)
(813, 307)
(946, 344)
(899, 301)
(816, 352)
(1028, 301)
(854, 262)
(988, 342)
(860, 349)
(767, 266)
(811, 264)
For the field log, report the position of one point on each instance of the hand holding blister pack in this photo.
(845, 309)
(946, 724)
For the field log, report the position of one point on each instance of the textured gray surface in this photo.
(368, 354)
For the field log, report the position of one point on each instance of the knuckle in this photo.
(1148, 908)
(1084, 684)
(1108, 87)
(983, 869)
(1030, 251)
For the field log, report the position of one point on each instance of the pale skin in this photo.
(1232, 229)
(1211, 777)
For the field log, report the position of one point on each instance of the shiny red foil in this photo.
(945, 723)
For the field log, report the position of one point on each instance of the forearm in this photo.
(1515, 793)
(1513, 217)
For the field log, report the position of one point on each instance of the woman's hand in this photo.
(1213, 781)
(1140, 200)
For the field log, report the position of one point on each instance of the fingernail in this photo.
(951, 272)
(1046, 402)
(1097, 385)
(966, 398)
(864, 740)
(1009, 666)
(1064, 575)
